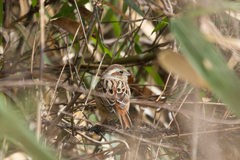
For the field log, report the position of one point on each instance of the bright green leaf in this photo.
(34, 3)
(154, 74)
(124, 8)
(101, 47)
(137, 37)
(160, 25)
(137, 48)
(116, 28)
(108, 15)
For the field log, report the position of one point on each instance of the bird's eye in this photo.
(121, 72)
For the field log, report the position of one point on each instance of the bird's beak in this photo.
(128, 74)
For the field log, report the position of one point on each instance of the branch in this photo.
(132, 59)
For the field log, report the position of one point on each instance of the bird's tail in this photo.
(125, 119)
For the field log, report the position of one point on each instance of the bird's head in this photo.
(116, 71)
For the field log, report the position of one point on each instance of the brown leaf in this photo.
(234, 14)
(171, 61)
(68, 25)
(85, 12)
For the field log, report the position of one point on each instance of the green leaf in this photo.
(66, 9)
(108, 15)
(19, 135)
(154, 74)
(34, 3)
(111, 17)
(102, 48)
(124, 8)
(160, 25)
(137, 37)
(207, 62)
(116, 28)
(93, 117)
(130, 3)
(137, 48)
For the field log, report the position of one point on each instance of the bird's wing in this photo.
(115, 94)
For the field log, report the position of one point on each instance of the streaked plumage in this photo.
(116, 95)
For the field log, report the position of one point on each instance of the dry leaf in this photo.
(5, 33)
(68, 25)
(17, 156)
(84, 12)
(24, 7)
(178, 65)
(214, 35)
(224, 41)
(233, 14)
(206, 99)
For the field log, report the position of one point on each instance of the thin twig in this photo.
(182, 91)
(165, 87)
(195, 139)
(80, 17)
(180, 106)
(42, 47)
(32, 11)
(205, 132)
(136, 153)
(109, 142)
(33, 50)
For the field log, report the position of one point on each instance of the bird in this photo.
(115, 95)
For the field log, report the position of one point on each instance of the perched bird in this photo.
(113, 86)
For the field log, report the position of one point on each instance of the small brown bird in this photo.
(113, 86)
